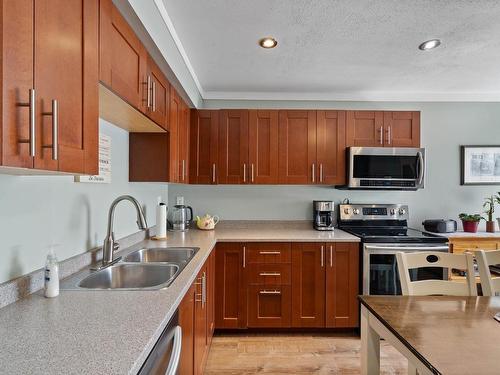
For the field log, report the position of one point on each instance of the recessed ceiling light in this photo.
(429, 44)
(268, 42)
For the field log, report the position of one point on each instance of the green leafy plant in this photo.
(497, 198)
(473, 217)
(489, 204)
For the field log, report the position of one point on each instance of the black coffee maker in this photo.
(324, 215)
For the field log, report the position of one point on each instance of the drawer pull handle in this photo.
(270, 292)
(270, 274)
(269, 252)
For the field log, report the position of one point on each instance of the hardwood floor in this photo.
(294, 354)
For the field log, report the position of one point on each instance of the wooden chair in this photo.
(484, 259)
(407, 261)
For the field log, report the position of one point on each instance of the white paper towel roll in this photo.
(161, 220)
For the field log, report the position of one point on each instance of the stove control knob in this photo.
(347, 211)
(402, 211)
(355, 211)
(392, 212)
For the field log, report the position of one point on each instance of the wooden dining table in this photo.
(437, 334)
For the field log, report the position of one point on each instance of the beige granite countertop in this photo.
(112, 332)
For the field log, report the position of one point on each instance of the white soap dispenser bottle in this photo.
(51, 275)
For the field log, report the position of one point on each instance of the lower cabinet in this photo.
(279, 285)
(196, 318)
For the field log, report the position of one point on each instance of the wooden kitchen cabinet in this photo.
(365, 128)
(230, 286)
(123, 58)
(263, 147)
(308, 284)
(342, 284)
(62, 132)
(297, 147)
(330, 147)
(157, 95)
(402, 129)
(233, 147)
(203, 149)
(186, 321)
(183, 143)
(174, 120)
(269, 306)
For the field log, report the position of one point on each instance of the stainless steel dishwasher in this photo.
(165, 356)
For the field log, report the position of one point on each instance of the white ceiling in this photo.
(340, 49)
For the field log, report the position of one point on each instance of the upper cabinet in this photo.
(383, 129)
(330, 147)
(233, 147)
(263, 147)
(50, 104)
(157, 95)
(123, 58)
(204, 147)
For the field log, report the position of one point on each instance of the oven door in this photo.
(380, 270)
(386, 168)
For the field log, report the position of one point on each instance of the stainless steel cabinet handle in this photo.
(252, 172)
(270, 274)
(313, 169)
(244, 256)
(176, 352)
(204, 289)
(322, 256)
(213, 173)
(381, 141)
(200, 282)
(270, 292)
(389, 135)
(331, 256)
(148, 92)
(55, 125)
(321, 172)
(153, 95)
(244, 172)
(270, 252)
(183, 170)
(31, 105)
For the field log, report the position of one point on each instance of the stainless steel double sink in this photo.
(144, 269)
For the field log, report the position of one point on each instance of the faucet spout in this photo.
(110, 245)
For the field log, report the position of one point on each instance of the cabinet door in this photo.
(211, 297)
(158, 95)
(269, 306)
(17, 79)
(263, 147)
(308, 285)
(365, 128)
(200, 322)
(123, 58)
(402, 129)
(342, 285)
(233, 147)
(331, 143)
(230, 286)
(183, 161)
(68, 76)
(297, 147)
(204, 138)
(186, 321)
(174, 125)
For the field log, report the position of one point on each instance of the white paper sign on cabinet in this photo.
(104, 176)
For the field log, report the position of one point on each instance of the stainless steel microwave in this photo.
(386, 168)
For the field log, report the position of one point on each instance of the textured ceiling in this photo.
(341, 49)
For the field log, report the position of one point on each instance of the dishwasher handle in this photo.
(176, 352)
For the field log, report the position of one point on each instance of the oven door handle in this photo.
(396, 249)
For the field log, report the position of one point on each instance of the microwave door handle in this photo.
(421, 165)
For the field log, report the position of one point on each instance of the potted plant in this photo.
(489, 204)
(498, 201)
(470, 222)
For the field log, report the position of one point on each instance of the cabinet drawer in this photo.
(269, 274)
(268, 252)
(269, 306)
(462, 246)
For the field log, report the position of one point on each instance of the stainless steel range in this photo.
(383, 229)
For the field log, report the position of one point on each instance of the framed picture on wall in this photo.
(480, 165)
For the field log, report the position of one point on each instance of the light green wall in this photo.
(445, 126)
(37, 211)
